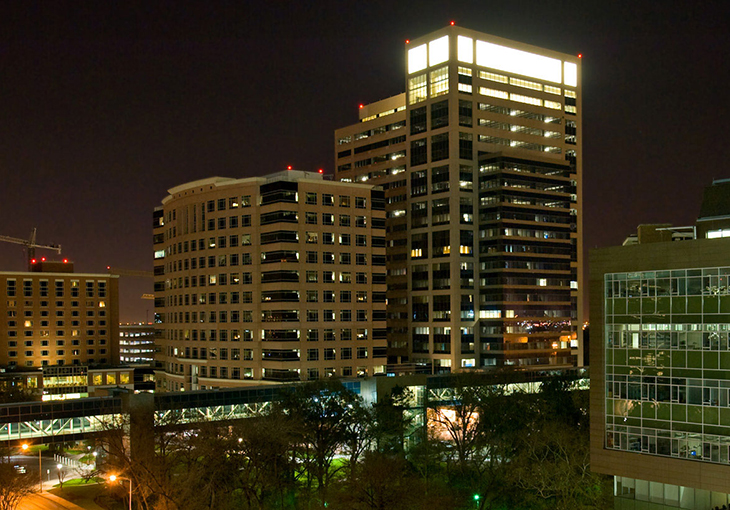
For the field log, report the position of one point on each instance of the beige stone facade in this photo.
(277, 278)
(481, 164)
(58, 318)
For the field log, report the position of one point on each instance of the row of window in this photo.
(295, 315)
(59, 313)
(59, 342)
(43, 288)
(273, 335)
(59, 323)
(13, 303)
(270, 277)
(236, 202)
(60, 362)
(28, 333)
(274, 257)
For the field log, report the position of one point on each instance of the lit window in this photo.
(493, 93)
(552, 104)
(525, 99)
(465, 49)
(552, 90)
(500, 78)
(525, 84)
(516, 61)
(570, 76)
(417, 89)
(417, 59)
(438, 51)
(439, 81)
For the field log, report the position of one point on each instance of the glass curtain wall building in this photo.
(481, 164)
(660, 406)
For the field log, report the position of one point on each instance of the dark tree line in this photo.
(322, 446)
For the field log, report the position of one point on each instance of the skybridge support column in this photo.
(141, 409)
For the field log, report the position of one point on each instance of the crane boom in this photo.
(31, 245)
(130, 272)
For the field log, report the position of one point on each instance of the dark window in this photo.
(418, 120)
(439, 114)
(440, 147)
(419, 152)
(465, 112)
(466, 146)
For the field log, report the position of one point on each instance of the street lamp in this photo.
(40, 469)
(112, 478)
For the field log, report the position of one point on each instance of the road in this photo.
(50, 471)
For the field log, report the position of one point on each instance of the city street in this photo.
(50, 471)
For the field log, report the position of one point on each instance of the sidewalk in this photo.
(48, 500)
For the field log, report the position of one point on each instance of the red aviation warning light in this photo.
(453, 23)
(361, 106)
(288, 167)
(408, 41)
(33, 261)
(43, 259)
(580, 55)
(321, 170)
(65, 261)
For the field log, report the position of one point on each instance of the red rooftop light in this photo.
(65, 261)
(43, 259)
(33, 261)
(408, 41)
(288, 167)
(453, 23)
(321, 171)
(580, 55)
(362, 106)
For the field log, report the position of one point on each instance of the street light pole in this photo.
(40, 469)
(115, 477)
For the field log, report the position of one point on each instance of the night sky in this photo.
(106, 105)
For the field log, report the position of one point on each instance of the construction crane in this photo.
(130, 272)
(31, 245)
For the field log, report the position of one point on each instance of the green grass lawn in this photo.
(80, 481)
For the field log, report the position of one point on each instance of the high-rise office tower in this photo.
(481, 164)
(275, 278)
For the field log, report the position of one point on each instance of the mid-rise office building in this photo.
(480, 161)
(137, 343)
(660, 351)
(275, 278)
(52, 316)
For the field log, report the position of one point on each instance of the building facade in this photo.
(480, 161)
(276, 278)
(137, 343)
(52, 316)
(660, 405)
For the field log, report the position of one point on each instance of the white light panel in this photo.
(417, 58)
(518, 62)
(438, 50)
(465, 47)
(570, 76)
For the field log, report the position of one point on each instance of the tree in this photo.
(87, 472)
(14, 486)
(389, 421)
(323, 413)
(262, 450)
